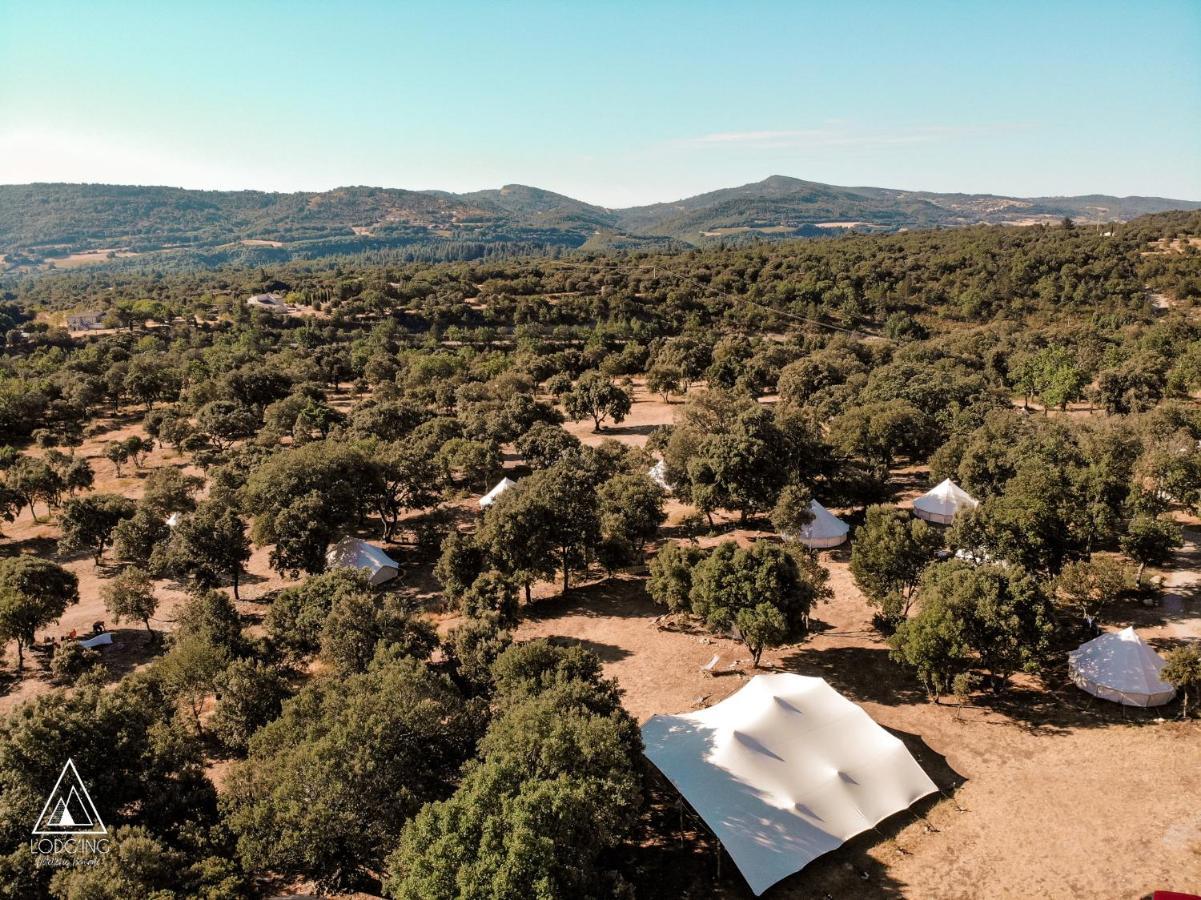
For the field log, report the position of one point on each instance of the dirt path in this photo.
(1180, 607)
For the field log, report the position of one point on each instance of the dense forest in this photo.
(1051, 370)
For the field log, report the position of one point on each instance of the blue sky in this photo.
(615, 103)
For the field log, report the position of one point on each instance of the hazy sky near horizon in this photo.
(615, 103)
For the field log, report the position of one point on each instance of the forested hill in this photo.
(73, 224)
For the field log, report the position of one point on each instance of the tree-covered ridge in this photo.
(41, 221)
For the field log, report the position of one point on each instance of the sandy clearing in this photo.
(647, 412)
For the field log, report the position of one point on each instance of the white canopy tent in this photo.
(172, 520)
(100, 640)
(501, 486)
(943, 502)
(783, 771)
(352, 553)
(826, 529)
(1120, 667)
(658, 474)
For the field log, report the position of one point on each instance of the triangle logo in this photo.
(69, 808)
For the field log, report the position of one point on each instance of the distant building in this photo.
(272, 303)
(84, 321)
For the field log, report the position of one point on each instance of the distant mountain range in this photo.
(76, 224)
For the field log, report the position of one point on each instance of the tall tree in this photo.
(594, 396)
(208, 546)
(88, 523)
(1183, 672)
(33, 593)
(888, 556)
(130, 595)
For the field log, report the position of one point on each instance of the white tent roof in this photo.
(783, 771)
(172, 520)
(501, 486)
(98, 640)
(1120, 667)
(352, 553)
(941, 503)
(826, 529)
(658, 474)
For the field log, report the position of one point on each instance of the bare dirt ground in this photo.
(1171, 245)
(1047, 792)
(89, 257)
(647, 412)
(130, 648)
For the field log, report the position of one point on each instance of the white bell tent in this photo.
(1120, 667)
(826, 529)
(783, 771)
(501, 486)
(352, 553)
(658, 474)
(943, 502)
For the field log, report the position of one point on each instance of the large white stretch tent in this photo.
(826, 529)
(783, 771)
(351, 553)
(501, 486)
(943, 502)
(1121, 668)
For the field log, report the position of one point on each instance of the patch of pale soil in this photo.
(1178, 617)
(130, 648)
(648, 411)
(88, 257)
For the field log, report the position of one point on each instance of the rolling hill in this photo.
(73, 224)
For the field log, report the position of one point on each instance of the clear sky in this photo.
(615, 103)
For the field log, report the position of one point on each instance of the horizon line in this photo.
(463, 193)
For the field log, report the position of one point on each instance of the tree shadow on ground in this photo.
(606, 652)
(862, 673)
(1050, 705)
(44, 547)
(1042, 709)
(11, 678)
(609, 430)
(901, 481)
(131, 647)
(851, 870)
(622, 597)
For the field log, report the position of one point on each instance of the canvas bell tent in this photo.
(783, 771)
(1120, 667)
(826, 529)
(943, 502)
(352, 553)
(501, 486)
